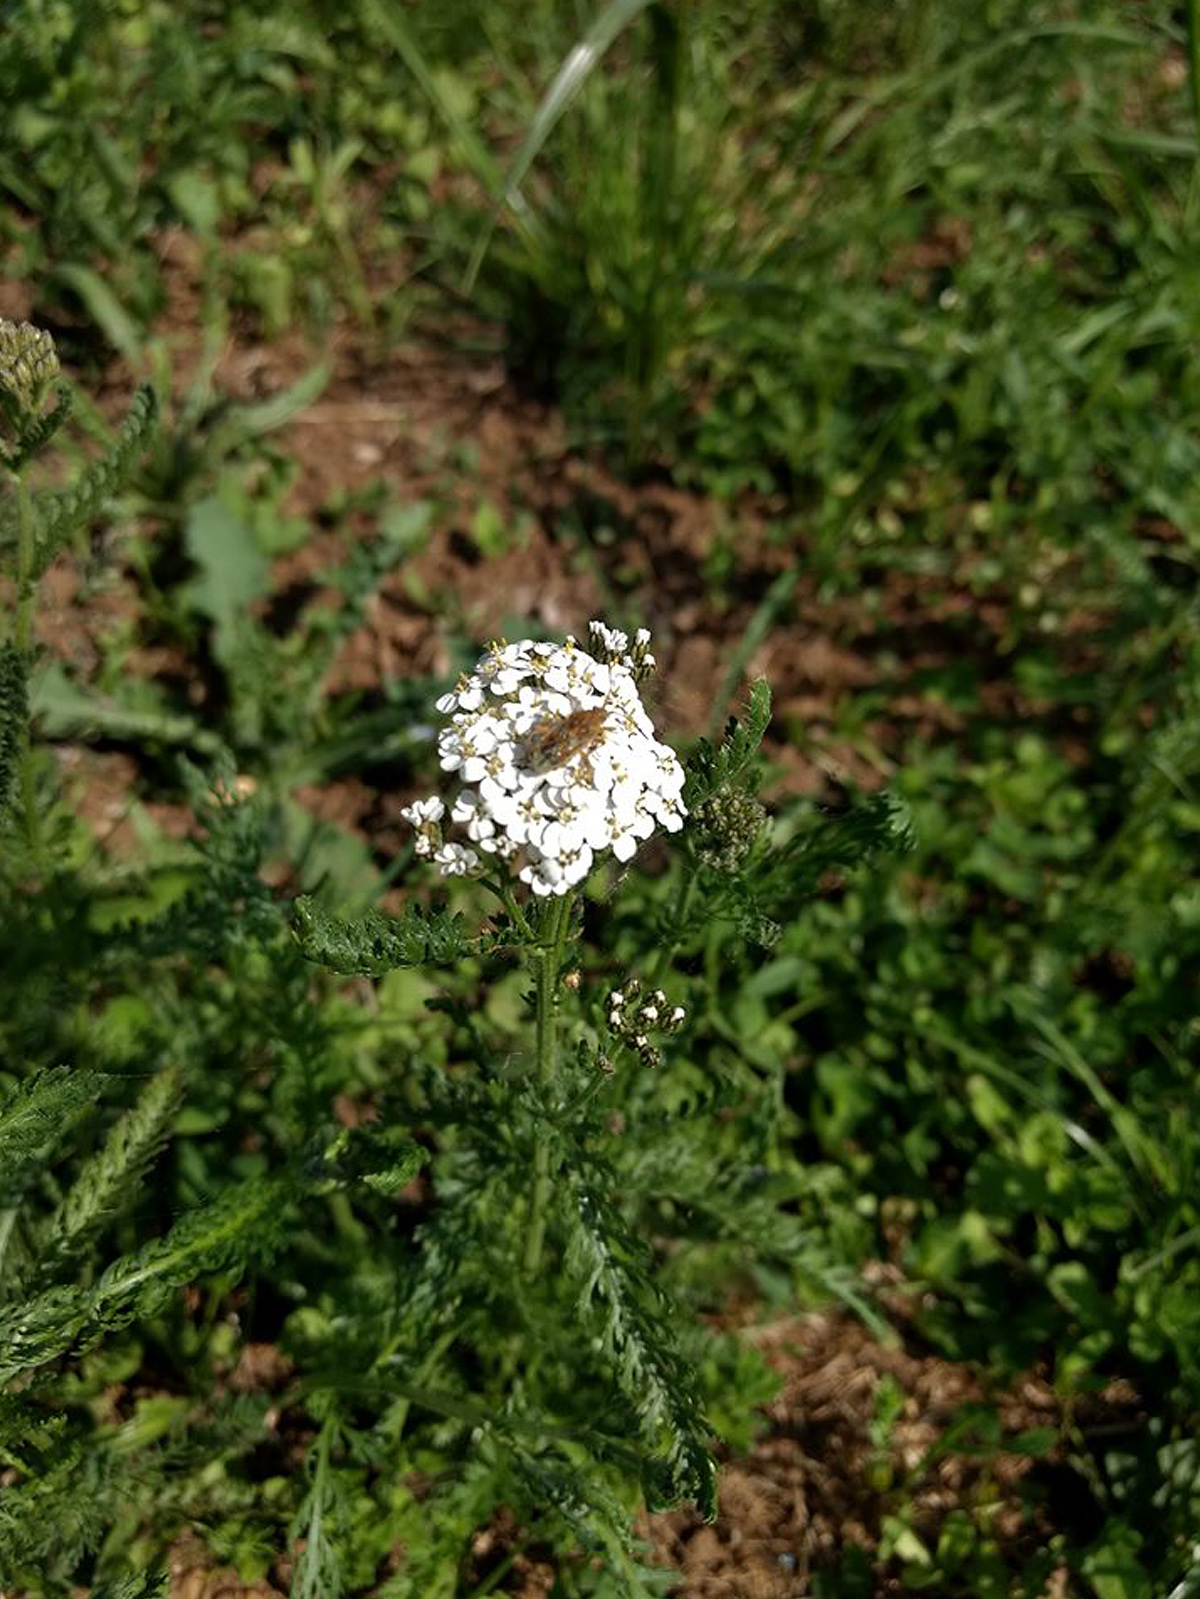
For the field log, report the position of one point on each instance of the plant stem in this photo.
(23, 636)
(687, 886)
(1193, 11)
(548, 964)
(23, 640)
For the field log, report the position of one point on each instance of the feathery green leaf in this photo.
(111, 1176)
(60, 512)
(371, 944)
(33, 1116)
(709, 769)
(619, 1298)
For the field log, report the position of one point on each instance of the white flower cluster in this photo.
(558, 761)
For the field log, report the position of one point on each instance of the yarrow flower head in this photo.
(557, 758)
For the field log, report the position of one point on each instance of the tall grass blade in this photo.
(572, 74)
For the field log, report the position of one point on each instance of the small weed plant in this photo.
(471, 1174)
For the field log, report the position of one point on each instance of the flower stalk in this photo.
(23, 642)
(557, 765)
(548, 959)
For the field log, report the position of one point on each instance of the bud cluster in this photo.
(28, 365)
(726, 827)
(612, 647)
(634, 1015)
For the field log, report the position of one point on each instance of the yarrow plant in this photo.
(487, 1223)
(558, 761)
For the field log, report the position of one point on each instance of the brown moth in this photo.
(556, 740)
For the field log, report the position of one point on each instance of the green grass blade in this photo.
(574, 71)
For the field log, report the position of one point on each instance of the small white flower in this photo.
(422, 811)
(455, 860)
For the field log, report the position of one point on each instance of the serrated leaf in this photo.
(877, 825)
(371, 944)
(153, 1586)
(34, 1114)
(710, 769)
(111, 1176)
(618, 1297)
(60, 512)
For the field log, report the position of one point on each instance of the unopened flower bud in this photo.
(726, 828)
(28, 364)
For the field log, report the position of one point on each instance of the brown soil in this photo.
(824, 1475)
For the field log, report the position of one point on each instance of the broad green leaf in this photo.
(233, 572)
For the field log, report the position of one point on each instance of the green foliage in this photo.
(35, 433)
(373, 944)
(33, 1117)
(107, 1178)
(924, 277)
(617, 1297)
(14, 716)
(711, 769)
(58, 513)
(132, 1588)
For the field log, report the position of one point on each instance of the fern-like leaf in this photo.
(879, 824)
(37, 433)
(149, 1587)
(60, 512)
(372, 944)
(618, 1297)
(710, 769)
(585, 1502)
(14, 717)
(248, 1221)
(33, 1116)
(111, 1176)
(318, 1571)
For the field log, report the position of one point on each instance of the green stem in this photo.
(1193, 12)
(508, 899)
(548, 963)
(683, 899)
(23, 639)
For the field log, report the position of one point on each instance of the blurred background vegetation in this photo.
(850, 343)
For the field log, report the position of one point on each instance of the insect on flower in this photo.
(557, 740)
(558, 760)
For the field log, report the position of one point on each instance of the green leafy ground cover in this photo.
(914, 288)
